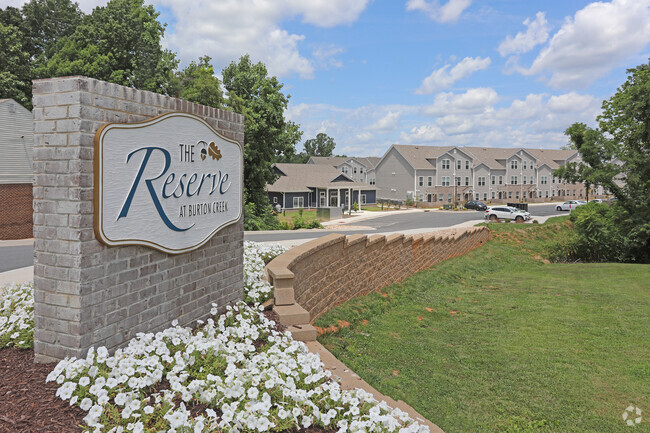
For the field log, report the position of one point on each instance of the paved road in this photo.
(14, 257)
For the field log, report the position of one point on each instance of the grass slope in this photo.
(498, 341)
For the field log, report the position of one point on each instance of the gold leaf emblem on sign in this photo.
(214, 152)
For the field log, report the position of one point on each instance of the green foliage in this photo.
(616, 155)
(298, 222)
(15, 73)
(268, 134)
(119, 43)
(322, 145)
(261, 219)
(355, 206)
(198, 84)
(46, 22)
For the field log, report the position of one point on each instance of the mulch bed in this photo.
(29, 405)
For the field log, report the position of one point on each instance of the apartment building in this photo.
(439, 174)
(360, 169)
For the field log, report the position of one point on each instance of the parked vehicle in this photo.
(475, 204)
(596, 200)
(506, 213)
(569, 205)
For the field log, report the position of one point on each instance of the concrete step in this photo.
(292, 314)
(303, 332)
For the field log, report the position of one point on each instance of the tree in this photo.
(15, 73)
(198, 84)
(267, 133)
(619, 150)
(322, 145)
(120, 43)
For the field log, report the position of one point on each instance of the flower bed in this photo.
(235, 372)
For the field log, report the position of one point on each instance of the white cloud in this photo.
(600, 37)
(536, 33)
(424, 134)
(477, 100)
(444, 77)
(387, 123)
(449, 12)
(226, 30)
(326, 56)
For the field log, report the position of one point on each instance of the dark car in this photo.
(475, 204)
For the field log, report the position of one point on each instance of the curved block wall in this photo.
(316, 276)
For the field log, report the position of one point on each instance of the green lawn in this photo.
(511, 344)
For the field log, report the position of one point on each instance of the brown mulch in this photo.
(27, 403)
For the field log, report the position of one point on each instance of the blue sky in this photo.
(494, 73)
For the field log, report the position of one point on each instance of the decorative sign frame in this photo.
(169, 183)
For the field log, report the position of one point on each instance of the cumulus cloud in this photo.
(422, 135)
(387, 123)
(447, 13)
(225, 30)
(536, 34)
(475, 100)
(446, 76)
(598, 38)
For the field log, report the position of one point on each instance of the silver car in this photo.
(506, 213)
(569, 205)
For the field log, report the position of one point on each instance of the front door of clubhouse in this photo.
(323, 199)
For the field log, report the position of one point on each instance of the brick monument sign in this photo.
(137, 213)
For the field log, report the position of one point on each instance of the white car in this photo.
(506, 213)
(569, 205)
(596, 200)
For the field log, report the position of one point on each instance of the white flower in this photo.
(84, 381)
(86, 404)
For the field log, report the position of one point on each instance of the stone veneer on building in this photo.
(86, 293)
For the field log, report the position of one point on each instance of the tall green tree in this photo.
(15, 71)
(616, 155)
(120, 43)
(46, 22)
(198, 84)
(268, 135)
(322, 145)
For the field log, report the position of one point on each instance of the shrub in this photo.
(261, 219)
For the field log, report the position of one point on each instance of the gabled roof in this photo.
(551, 157)
(417, 156)
(368, 162)
(302, 177)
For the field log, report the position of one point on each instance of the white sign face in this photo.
(170, 183)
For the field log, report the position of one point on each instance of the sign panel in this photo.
(169, 183)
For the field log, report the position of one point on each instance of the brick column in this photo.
(88, 294)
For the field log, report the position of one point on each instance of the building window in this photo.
(500, 180)
(531, 180)
(513, 164)
(354, 170)
(532, 165)
(543, 180)
(420, 180)
(509, 194)
(298, 202)
(459, 164)
(466, 180)
(430, 181)
(547, 194)
(525, 179)
(553, 179)
(574, 192)
(481, 181)
(275, 200)
(441, 197)
(445, 180)
(344, 170)
(467, 165)
(371, 181)
(421, 197)
(360, 169)
(484, 196)
(513, 180)
(524, 165)
(517, 195)
(448, 197)
(445, 164)
(493, 195)
(363, 199)
(458, 181)
(494, 179)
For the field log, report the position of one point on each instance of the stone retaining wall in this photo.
(316, 276)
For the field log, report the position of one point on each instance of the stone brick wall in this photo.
(16, 211)
(86, 293)
(326, 272)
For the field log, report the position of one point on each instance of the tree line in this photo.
(121, 43)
